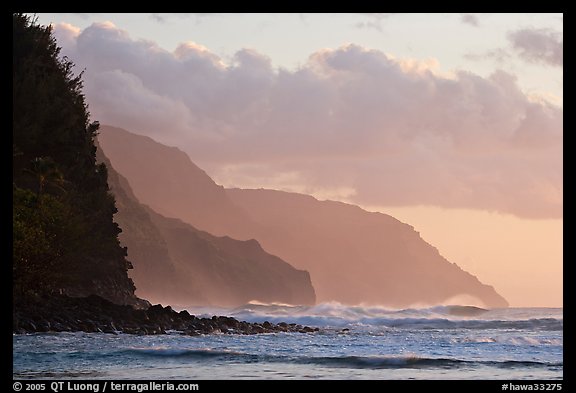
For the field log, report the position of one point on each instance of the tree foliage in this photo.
(64, 235)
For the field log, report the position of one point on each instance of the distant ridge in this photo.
(185, 191)
(176, 263)
(353, 256)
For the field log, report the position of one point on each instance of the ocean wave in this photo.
(376, 362)
(519, 340)
(358, 362)
(548, 324)
(41, 374)
(333, 314)
(184, 352)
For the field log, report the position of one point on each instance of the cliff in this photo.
(353, 256)
(230, 272)
(186, 191)
(64, 238)
(145, 245)
(357, 256)
(176, 263)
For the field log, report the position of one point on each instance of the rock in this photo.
(267, 325)
(94, 314)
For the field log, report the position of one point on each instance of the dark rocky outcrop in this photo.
(94, 314)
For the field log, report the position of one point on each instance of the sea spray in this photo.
(429, 343)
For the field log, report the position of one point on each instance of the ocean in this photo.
(355, 342)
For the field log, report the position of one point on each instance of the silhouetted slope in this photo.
(64, 238)
(155, 275)
(186, 191)
(353, 255)
(176, 263)
(357, 256)
(231, 272)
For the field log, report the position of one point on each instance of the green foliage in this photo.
(64, 235)
(46, 172)
(39, 230)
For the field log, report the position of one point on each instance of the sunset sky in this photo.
(452, 123)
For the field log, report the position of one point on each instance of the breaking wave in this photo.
(336, 315)
(360, 362)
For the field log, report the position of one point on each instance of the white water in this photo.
(354, 343)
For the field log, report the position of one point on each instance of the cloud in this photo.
(499, 55)
(66, 34)
(374, 21)
(162, 18)
(544, 46)
(352, 122)
(470, 19)
(84, 15)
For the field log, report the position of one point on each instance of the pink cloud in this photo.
(388, 131)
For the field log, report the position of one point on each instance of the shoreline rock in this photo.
(94, 314)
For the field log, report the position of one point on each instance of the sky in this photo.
(452, 123)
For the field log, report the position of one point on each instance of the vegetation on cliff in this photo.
(64, 237)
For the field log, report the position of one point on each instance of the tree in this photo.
(46, 172)
(64, 233)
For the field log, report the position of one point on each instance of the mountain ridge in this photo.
(176, 263)
(353, 256)
(372, 239)
(215, 213)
